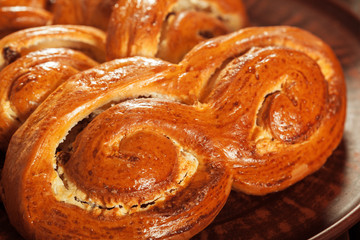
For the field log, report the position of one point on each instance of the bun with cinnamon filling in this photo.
(140, 148)
(168, 29)
(37, 60)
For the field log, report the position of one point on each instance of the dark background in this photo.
(354, 7)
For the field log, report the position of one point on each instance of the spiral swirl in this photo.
(141, 148)
(279, 117)
(152, 28)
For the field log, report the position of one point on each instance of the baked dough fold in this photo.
(141, 148)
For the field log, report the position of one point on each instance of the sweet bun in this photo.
(169, 29)
(211, 17)
(87, 39)
(30, 79)
(141, 148)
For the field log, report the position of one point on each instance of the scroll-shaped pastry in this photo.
(140, 148)
(89, 40)
(94, 13)
(169, 29)
(284, 103)
(30, 79)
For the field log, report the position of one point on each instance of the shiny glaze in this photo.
(86, 39)
(193, 27)
(30, 79)
(79, 12)
(31, 67)
(20, 14)
(28, 3)
(152, 28)
(15, 18)
(223, 106)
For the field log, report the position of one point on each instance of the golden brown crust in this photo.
(34, 75)
(29, 3)
(86, 39)
(283, 158)
(21, 14)
(165, 219)
(16, 18)
(94, 13)
(184, 133)
(29, 80)
(160, 28)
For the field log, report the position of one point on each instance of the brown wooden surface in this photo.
(326, 203)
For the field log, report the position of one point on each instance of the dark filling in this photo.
(10, 55)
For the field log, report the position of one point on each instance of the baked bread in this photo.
(13, 19)
(32, 69)
(30, 79)
(161, 28)
(28, 3)
(140, 148)
(168, 29)
(94, 13)
(208, 18)
(87, 39)
(20, 14)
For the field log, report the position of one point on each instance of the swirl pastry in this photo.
(87, 39)
(169, 29)
(30, 79)
(144, 149)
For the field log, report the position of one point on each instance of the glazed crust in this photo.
(20, 14)
(145, 28)
(16, 18)
(33, 68)
(30, 79)
(86, 39)
(28, 3)
(152, 28)
(226, 115)
(79, 12)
